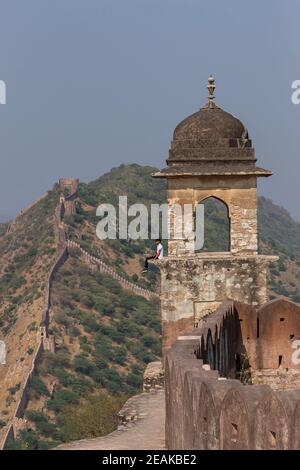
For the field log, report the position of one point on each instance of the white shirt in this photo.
(160, 250)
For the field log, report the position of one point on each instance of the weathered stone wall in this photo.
(13, 426)
(194, 284)
(172, 329)
(192, 287)
(278, 336)
(239, 195)
(206, 409)
(281, 378)
(253, 344)
(44, 341)
(153, 377)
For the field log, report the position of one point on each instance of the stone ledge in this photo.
(153, 377)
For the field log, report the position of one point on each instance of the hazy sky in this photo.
(92, 84)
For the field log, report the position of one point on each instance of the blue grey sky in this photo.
(92, 84)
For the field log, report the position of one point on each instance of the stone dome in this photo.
(211, 142)
(210, 123)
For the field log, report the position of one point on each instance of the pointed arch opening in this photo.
(216, 225)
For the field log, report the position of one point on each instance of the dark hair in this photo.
(158, 240)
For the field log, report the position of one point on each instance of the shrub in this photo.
(13, 390)
(85, 348)
(35, 416)
(148, 340)
(134, 380)
(90, 325)
(87, 299)
(120, 356)
(62, 319)
(45, 428)
(64, 377)
(96, 417)
(61, 399)
(83, 365)
(296, 297)
(81, 386)
(74, 331)
(112, 375)
(146, 357)
(101, 364)
(112, 333)
(38, 388)
(127, 327)
(59, 360)
(136, 369)
(27, 440)
(32, 252)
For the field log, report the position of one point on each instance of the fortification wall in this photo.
(66, 206)
(206, 408)
(96, 263)
(60, 260)
(44, 341)
(13, 426)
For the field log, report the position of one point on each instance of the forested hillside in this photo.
(105, 335)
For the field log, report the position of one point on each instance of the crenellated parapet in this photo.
(96, 263)
(207, 407)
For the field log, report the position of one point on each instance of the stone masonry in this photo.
(233, 382)
(211, 156)
(153, 377)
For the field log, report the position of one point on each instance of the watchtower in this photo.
(211, 156)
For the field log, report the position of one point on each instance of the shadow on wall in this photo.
(222, 346)
(205, 408)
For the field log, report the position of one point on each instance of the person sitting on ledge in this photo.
(158, 255)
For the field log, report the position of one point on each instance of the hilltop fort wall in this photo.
(45, 341)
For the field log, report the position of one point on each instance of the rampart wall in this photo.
(66, 206)
(207, 407)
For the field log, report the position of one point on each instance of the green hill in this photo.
(105, 335)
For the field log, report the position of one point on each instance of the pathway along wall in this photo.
(209, 409)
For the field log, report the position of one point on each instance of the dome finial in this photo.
(211, 89)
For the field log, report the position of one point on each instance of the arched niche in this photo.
(216, 224)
